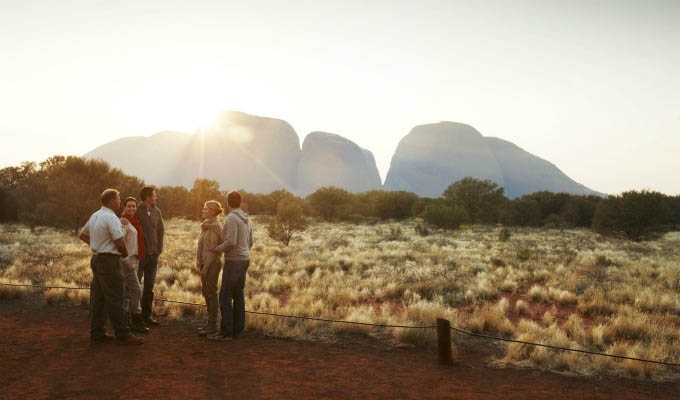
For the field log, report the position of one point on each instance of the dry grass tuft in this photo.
(522, 307)
(389, 273)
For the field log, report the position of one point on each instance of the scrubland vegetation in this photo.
(62, 192)
(566, 287)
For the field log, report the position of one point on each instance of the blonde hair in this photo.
(215, 206)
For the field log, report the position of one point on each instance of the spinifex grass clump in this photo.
(570, 288)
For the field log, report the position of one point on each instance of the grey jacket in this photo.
(153, 228)
(238, 236)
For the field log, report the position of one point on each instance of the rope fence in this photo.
(447, 327)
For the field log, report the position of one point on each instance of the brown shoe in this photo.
(130, 340)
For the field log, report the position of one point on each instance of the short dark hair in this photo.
(108, 195)
(129, 199)
(234, 199)
(146, 192)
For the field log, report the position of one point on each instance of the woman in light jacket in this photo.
(208, 263)
(134, 241)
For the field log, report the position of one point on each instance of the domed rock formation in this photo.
(331, 160)
(433, 156)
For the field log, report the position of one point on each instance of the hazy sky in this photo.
(592, 86)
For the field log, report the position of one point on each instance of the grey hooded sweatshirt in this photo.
(238, 236)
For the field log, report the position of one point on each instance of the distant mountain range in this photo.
(262, 154)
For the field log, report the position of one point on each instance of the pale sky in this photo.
(592, 86)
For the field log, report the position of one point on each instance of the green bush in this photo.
(331, 203)
(289, 221)
(445, 216)
(635, 215)
(521, 212)
(481, 200)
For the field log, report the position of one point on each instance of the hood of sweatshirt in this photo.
(241, 214)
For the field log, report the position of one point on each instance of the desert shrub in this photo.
(524, 253)
(497, 262)
(508, 285)
(674, 207)
(522, 307)
(555, 221)
(9, 206)
(481, 199)
(596, 305)
(538, 294)
(636, 215)
(596, 272)
(289, 221)
(563, 297)
(356, 218)
(422, 230)
(330, 203)
(504, 234)
(420, 205)
(521, 212)
(445, 216)
(176, 202)
(492, 318)
(549, 203)
(6, 257)
(269, 203)
(579, 210)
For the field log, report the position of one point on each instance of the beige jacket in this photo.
(211, 236)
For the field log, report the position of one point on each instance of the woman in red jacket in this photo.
(134, 241)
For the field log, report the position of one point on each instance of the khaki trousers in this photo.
(209, 290)
(133, 289)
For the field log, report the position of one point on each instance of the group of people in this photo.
(125, 256)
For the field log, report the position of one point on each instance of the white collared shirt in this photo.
(103, 228)
(131, 239)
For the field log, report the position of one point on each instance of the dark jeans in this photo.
(148, 266)
(106, 296)
(233, 282)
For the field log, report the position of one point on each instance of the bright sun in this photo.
(185, 101)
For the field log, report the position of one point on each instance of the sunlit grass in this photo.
(569, 288)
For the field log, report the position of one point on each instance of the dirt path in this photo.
(45, 354)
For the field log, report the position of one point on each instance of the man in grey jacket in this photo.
(238, 239)
(151, 219)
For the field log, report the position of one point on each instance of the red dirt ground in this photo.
(45, 354)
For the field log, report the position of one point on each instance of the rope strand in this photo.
(670, 364)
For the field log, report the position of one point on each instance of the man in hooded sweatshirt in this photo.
(238, 239)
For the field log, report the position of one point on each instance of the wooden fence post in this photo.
(444, 340)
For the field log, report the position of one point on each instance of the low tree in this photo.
(521, 212)
(637, 215)
(252, 203)
(9, 208)
(74, 185)
(549, 203)
(30, 188)
(202, 191)
(445, 216)
(331, 203)
(579, 210)
(482, 199)
(288, 222)
(174, 201)
(419, 206)
(271, 201)
(674, 207)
